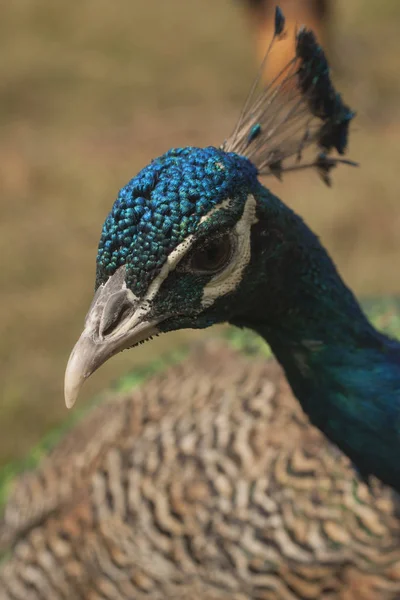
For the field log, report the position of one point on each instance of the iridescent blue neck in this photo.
(345, 374)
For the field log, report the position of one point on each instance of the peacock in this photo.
(195, 239)
(208, 481)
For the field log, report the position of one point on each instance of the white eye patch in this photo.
(228, 280)
(222, 283)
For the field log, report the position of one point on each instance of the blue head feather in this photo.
(163, 204)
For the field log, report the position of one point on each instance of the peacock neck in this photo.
(345, 374)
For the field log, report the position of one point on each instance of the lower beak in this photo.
(85, 358)
(90, 353)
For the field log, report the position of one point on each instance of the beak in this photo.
(116, 320)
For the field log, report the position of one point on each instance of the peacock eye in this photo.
(213, 256)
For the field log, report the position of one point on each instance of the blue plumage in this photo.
(195, 239)
(163, 204)
(344, 372)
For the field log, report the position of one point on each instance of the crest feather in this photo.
(299, 110)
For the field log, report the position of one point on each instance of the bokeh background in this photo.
(90, 91)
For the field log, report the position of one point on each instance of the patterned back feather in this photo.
(209, 483)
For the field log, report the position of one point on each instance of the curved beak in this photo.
(116, 320)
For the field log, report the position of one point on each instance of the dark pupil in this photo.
(213, 256)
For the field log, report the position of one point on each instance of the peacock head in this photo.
(173, 253)
(176, 239)
(183, 242)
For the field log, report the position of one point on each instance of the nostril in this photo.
(117, 309)
(119, 318)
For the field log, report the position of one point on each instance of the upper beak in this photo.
(116, 320)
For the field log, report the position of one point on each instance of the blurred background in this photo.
(90, 91)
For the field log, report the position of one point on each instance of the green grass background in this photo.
(90, 91)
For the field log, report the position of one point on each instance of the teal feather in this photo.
(344, 372)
